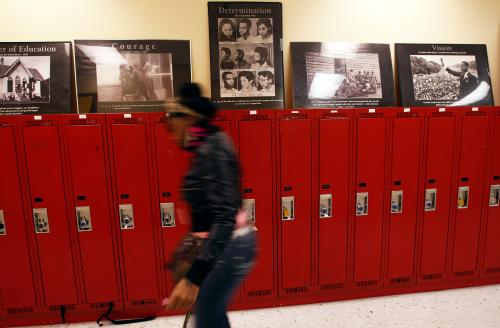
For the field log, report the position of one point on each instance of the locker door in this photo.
(333, 210)
(369, 200)
(16, 282)
(295, 197)
(43, 161)
(438, 179)
(86, 150)
(492, 249)
(404, 194)
(256, 160)
(130, 155)
(473, 145)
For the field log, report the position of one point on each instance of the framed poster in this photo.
(443, 74)
(341, 75)
(246, 55)
(129, 75)
(35, 78)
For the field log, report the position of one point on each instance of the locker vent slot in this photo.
(254, 117)
(332, 286)
(463, 273)
(294, 116)
(432, 276)
(2, 124)
(475, 114)
(83, 122)
(406, 115)
(296, 290)
(132, 120)
(260, 293)
(163, 119)
(334, 115)
(20, 310)
(443, 114)
(55, 308)
(39, 123)
(493, 270)
(143, 302)
(99, 306)
(400, 280)
(372, 115)
(367, 283)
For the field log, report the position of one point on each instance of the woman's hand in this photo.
(183, 296)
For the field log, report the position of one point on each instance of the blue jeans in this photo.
(217, 289)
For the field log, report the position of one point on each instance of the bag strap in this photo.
(106, 315)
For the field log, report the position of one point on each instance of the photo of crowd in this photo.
(443, 77)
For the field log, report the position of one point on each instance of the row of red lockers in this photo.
(348, 203)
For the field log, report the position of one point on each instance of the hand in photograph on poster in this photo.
(35, 78)
(443, 75)
(245, 54)
(130, 75)
(341, 75)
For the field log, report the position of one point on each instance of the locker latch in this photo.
(249, 207)
(325, 206)
(397, 201)
(41, 220)
(463, 197)
(287, 208)
(167, 213)
(495, 195)
(430, 199)
(361, 203)
(3, 230)
(83, 219)
(126, 216)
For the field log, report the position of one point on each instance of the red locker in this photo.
(129, 143)
(439, 165)
(369, 197)
(473, 144)
(90, 210)
(256, 148)
(294, 135)
(491, 260)
(333, 210)
(41, 146)
(403, 205)
(17, 288)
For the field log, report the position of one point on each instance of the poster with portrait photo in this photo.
(129, 75)
(443, 75)
(35, 78)
(246, 58)
(341, 75)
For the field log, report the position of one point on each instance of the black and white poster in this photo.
(35, 78)
(341, 75)
(443, 75)
(129, 75)
(246, 57)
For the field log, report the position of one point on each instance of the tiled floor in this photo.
(477, 307)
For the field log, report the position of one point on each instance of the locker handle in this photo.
(288, 188)
(363, 184)
(432, 181)
(325, 186)
(165, 194)
(496, 177)
(81, 197)
(247, 191)
(38, 199)
(124, 196)
(464, 179)
(397, 183)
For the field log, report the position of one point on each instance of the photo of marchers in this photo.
(245, 83)
(443, 77)
(135, 77)
(24, 79)
(343, 75)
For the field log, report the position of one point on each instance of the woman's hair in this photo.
(267, 23)
(223, 22)
(226, 50)
(263, 54)
(248, 75)
(241, 54)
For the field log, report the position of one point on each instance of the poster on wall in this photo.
(246, 57)
(443, 75)
(35, 78)
(341, 75)
(129, 75)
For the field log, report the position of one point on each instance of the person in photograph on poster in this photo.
(244, 27)
(264, 30)
(227, 32)
(228, 84)
(246, 83)
(226, 61)
(261, 58)
(266, 83)
(468, 81)
(239, 58)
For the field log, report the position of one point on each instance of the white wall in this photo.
(382, 21)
